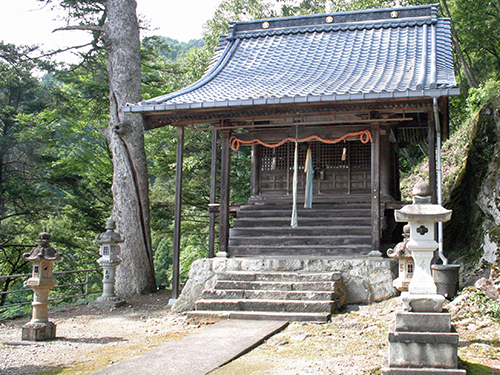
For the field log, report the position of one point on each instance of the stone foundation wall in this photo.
(367, 279)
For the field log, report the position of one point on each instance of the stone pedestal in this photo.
(39, 328)
(422, 343)
(38, 331)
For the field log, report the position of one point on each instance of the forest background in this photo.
(56, 167)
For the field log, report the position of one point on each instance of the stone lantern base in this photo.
(422, 343)
(108, 302)
(422, 302)
(39, 331)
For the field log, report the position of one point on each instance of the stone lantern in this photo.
(422, 217)
(422, 341)
(41, 281)
(406, 264)
(109, 251)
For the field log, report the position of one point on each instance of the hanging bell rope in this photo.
(365, 136)
(294, 221)
(308, 169)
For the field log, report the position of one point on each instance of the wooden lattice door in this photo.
(333, 174)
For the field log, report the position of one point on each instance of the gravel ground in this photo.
(89, 339)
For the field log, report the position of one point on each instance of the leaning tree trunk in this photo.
(125, 135)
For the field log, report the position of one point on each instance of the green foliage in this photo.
(493, 309)
(294, 8)
(160, 74)
(235, 10)
(474, 368)
(478, 28)
(479, 97)
(14, 312)
(162, 252)
(486, 305)
(174, 50)
(76, 159)
(24, 195)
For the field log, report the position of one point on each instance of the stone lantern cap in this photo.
(110, 236)
(43, 251)
(423, 212)
(422, 209)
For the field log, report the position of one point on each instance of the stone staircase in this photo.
(324, 230)
(291, 296)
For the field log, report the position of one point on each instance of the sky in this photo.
(26, 22)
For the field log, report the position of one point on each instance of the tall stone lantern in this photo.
(422, 217)
(109, 251)
(422, 341)
(41, 281)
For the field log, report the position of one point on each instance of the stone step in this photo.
(320, 286)
(301, 231)
(266, 305)
(279, 276)
(311, 241)
(211, 294)
(422, 371)
(304, 221)
(300, 207)
(249, 250)
(324, 213)
(211, 316)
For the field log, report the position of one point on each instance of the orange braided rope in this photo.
(365, 136)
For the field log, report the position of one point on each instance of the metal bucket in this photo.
(446, 279)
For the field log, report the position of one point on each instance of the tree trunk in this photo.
(125, 134)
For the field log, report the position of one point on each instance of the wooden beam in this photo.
(224, 195)
(213, 116)
(213, 195)
(375, 189)
(311, 123)
(177, 213)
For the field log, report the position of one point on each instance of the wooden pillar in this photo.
(385, 163)
(224, 195)
(395, 187)
(255, 170)
(431, 140)
(177, 213)
(375, 190)
(213, 195)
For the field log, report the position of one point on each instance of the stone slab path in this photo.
(202, 351)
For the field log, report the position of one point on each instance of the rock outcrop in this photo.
(472, 238)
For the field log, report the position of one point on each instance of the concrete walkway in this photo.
(200, 352)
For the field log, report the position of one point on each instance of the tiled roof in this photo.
(404, 52)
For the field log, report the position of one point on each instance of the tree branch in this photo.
(80, 27)
(14, 214)
(51, 53)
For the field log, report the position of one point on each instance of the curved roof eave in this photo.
(162, 107)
